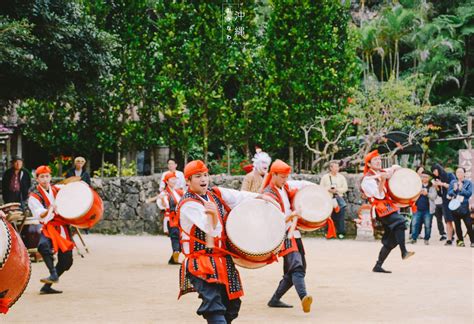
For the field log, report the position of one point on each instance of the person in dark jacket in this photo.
(441, 183)
(16, 183)
(78, 170)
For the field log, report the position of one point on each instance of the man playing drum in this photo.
(208, 267)
(55, 234)
(374, 186)
(277, 186)
(168, 201)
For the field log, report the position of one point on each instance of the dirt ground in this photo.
(127, 279)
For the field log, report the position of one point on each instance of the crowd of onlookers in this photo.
(445, 196)
(16, 181)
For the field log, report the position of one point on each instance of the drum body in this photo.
(15, 268)
(30, 234)
(79, 205)
(255, 231)
(405, 187)
(314, 204)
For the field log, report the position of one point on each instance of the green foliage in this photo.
(311, 66)
(111, 170)
(47, 46)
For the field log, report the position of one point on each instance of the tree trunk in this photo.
(185, 156)
(397, 59)
(426, 97)
(381, 67)
(152, 161)
(102, 160)
(119, 163)
(466, 65)
(60, 167)
(205, 134)
(228, 159)
(291, 153)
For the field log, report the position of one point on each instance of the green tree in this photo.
(311, 65)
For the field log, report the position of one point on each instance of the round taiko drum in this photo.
(314, 204)
(404, 186)
(79, 205)
(255, 231)
(15, 267)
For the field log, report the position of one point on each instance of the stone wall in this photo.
(126, 211)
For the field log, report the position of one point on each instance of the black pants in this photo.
(294, 271)
(466, 218)
(394, 234)
(174, 237)
(439, 219)
(216, 306)
(338, 219)
(45, 248)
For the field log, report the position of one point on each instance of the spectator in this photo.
(336, 184)
(16, 183)
(423, 215)
(461, 189)
(254, 179)
(441, 183)
(172, 167)
(438, 213)
(78, 170)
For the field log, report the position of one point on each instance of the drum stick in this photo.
(82, 240)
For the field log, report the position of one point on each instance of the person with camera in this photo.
(460, 190)
(336, 184)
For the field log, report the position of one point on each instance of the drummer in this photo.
(55, 235)
(208, 267)
(277, 186)
(168, 201)
(374, 186)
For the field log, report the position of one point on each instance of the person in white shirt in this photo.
(172, 167)
(374, 186)
(336, 184)
(208, 267)
(55, 234)
(277, 186)
(168, 201)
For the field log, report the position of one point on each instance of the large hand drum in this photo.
(314, 204)
(255, 230)
(15, 268)
(79, 205)
(405, 186)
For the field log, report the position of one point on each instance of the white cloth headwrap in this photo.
(260, 158)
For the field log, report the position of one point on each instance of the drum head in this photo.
(405, 184)
(5, 242)
(314, 203)
(256, 226)
(74, 200)
(454, 204)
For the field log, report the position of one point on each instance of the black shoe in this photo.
(379, 269)
(448, 242)
(49, 290)
(443, 238)
(278, 303)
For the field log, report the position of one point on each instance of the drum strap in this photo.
(59, 243)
